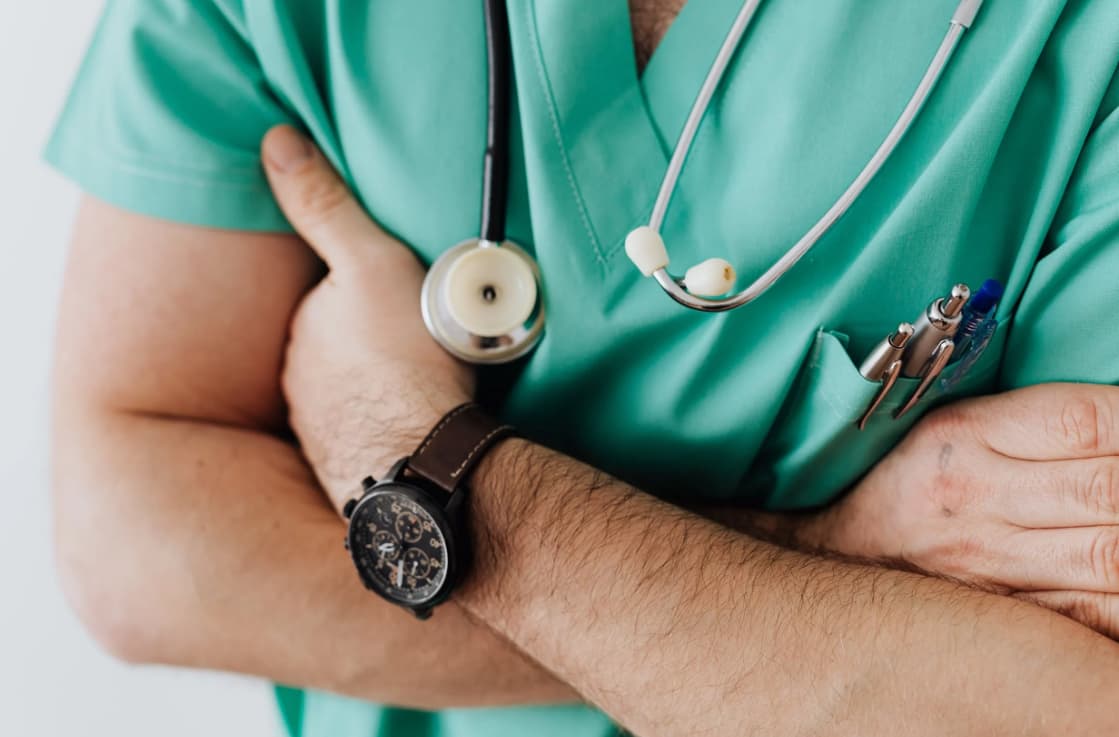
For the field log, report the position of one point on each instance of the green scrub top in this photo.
(1011, 172)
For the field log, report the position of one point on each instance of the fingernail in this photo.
(286, 149)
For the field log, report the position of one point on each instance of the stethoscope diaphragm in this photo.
(481, 302)
(482, 299)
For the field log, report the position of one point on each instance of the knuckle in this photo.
(1103, 558)
(1083, 424)
(1102, 488)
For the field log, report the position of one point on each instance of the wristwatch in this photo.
(407, 532)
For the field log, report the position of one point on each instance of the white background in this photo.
(54, 682)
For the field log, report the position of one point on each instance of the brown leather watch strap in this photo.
(455, 445)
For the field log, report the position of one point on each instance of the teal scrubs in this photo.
(1011, 172)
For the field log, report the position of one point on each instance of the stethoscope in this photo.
(482, 298)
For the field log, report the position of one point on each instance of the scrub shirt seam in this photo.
(553, 116)
(122, 156)
(174, 177)
(138, 158)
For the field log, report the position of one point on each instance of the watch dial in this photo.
(399, 547)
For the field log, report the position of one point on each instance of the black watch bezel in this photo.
(445, 512)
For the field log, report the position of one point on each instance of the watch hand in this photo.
(415, 563)
(400, 573)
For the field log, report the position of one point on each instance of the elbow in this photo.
(116, 635)
(101, 588)
(104, 616)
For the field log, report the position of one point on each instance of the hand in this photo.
(1017, 492)
(364, 380)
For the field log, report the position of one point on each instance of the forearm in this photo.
(794, 530)
(676, 625)
(208, 546)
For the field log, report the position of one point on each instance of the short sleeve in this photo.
(1064, 328)
(167, 113)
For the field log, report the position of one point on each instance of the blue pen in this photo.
(977, 325)
(978, 309)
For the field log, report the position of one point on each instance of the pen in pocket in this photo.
(956, 327)
(939, 322)
(976, 329)
(884, 365)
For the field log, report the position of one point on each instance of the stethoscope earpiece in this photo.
(481, 299)
(704, 285)
(481, 302)
(646, 250)
(711, 278)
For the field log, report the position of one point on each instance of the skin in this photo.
(172, 463)
(181, 511)
(671, 623)
(649, 21)
(1016, 494)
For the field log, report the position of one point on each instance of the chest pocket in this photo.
(815, 451)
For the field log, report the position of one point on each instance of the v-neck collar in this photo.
(680, 62)
(616, 129)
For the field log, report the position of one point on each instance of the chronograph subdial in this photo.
(408, 532)
(386, 545)
(417, 563)
(400, 547)
(409, 527)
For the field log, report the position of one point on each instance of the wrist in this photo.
(505, 492)
(373, 436)
(408, 532)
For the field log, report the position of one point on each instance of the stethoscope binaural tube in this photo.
(700, 288)
(481, 300)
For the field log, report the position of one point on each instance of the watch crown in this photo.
(348, 508)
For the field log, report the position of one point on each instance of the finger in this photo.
(1096, 611)
(1048, 422)
(1072, 559)
(316, 201)
(1053, 494)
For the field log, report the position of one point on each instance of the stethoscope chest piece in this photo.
(481, 302)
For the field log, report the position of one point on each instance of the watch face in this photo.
(398, 545)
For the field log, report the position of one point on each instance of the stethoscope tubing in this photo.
(495, 171)
(699, 110)
(672, 285)
(481, 300)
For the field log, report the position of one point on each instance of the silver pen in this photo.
(940, 357)
(932, 345)
(884, 364)
(940, 321)
(878, 361)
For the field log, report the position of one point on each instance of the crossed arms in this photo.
(170, 463)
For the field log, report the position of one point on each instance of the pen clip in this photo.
(889, 378)
(936, 363)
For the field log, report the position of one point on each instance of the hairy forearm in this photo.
(676, 625)
(795, 530)
(209, 546)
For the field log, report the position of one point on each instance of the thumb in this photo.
(316, 201)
